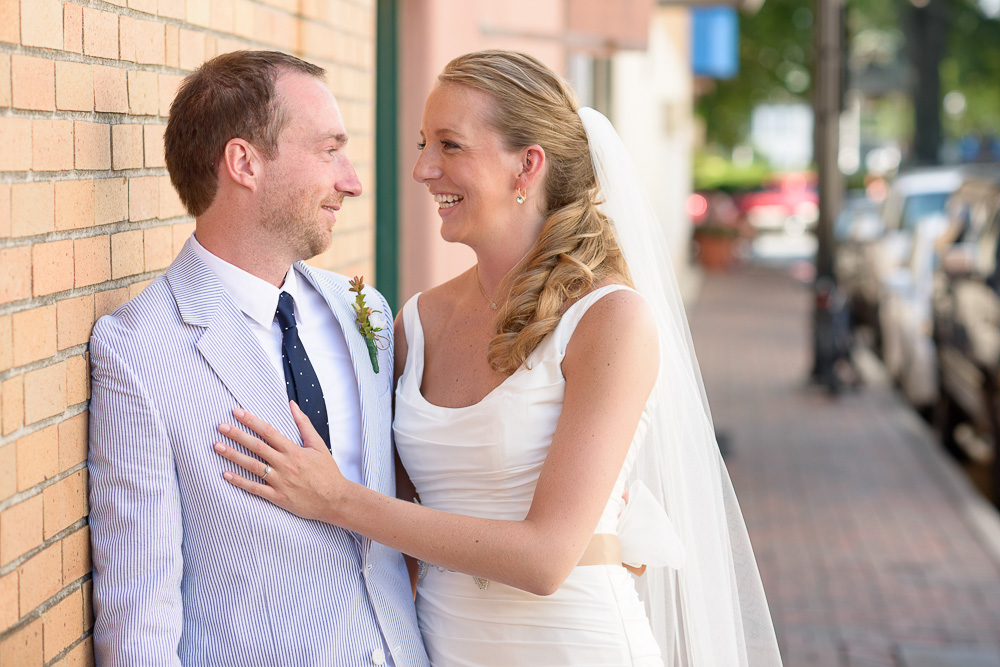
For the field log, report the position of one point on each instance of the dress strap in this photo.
(414, 332)
(571, 318)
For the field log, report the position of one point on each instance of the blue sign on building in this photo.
(715, 42)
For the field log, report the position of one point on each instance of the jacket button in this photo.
(378, 657)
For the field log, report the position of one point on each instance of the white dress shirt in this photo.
(322, 337)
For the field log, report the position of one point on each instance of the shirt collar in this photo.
(256, 297)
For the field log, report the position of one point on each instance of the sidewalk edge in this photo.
(980, 515)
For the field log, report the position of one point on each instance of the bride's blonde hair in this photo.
(577, 246)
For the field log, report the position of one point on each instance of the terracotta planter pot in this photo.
(715, 252)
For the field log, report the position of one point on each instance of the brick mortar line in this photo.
(31, 176)
(109, 228)
(69, 352)
(48, 53)
(62, 654)
(12, 437)
(71, 529)
(14, 177)
(62, 534)
(97, 117)
(37, 612)
(17, 176)
(59, 357)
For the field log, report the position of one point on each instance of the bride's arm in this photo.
(610, 368)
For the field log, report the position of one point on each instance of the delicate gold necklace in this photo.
(493, 304)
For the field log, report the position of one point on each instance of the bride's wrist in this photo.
(340, 496)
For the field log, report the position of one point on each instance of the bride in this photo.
(572, 507)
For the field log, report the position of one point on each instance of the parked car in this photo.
(913, 197)
(857, 225)
(859, 219)
(966, 316)
(905, 320)
(789, 202)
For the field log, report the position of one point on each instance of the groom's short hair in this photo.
(231, 95)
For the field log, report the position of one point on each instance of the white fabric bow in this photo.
(646, 534)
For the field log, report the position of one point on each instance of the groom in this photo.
(187, 569)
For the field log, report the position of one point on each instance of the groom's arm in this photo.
(135, 519)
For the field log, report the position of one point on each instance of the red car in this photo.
(789, 203)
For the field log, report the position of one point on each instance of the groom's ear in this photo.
(242, 162)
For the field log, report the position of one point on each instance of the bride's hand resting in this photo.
(303, 480)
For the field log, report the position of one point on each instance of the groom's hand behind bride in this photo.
(303, 480)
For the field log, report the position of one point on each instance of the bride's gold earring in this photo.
(521, 196)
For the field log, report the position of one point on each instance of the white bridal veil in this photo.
(711, 611)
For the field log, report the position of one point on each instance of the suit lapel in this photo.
(228, 344)
(339, 299)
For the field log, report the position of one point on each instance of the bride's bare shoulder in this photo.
(438, 303)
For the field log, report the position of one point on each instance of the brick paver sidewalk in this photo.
(872, 550)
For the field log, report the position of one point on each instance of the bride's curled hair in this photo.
(577, 246)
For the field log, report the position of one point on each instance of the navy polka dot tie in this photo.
(300, 378)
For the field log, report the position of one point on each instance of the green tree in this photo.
(775, 52)
(971, 67)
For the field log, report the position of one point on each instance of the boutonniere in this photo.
(373, 339)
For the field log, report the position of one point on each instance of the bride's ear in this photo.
(532, 166)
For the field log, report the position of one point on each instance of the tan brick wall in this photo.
(87, 218)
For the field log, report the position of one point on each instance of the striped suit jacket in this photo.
(188, 570)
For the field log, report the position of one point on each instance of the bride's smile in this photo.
(447, 201)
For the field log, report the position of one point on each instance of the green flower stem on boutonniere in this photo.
(373, 339)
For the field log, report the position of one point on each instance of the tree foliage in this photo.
(776, 53)
(972, 68)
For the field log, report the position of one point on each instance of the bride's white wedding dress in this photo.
(484, 460)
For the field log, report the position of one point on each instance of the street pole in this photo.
(925, 24)
(826, 106)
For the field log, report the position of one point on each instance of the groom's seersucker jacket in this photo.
(189, 570)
